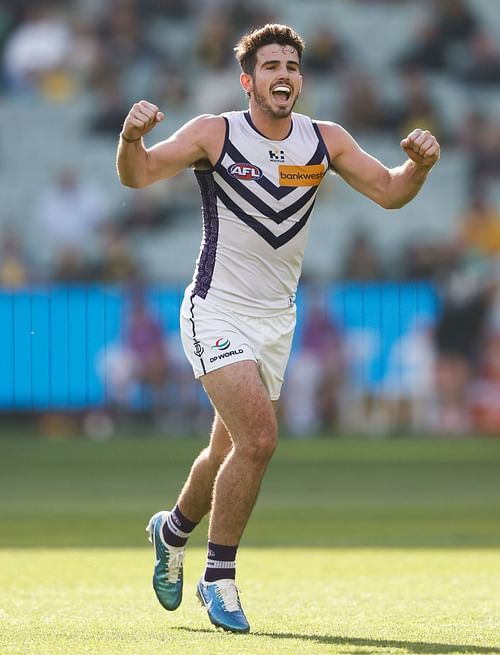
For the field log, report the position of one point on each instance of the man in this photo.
(258, 172)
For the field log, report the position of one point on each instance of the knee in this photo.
(266, 445)
(261, 443)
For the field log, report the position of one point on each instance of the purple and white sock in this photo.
(221, 562)
(177, 528)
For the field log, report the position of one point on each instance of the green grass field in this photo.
(356, 546)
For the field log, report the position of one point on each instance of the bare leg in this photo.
(242, 402)
(195, 498)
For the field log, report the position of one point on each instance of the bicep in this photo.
(169, 157)
(180, 151)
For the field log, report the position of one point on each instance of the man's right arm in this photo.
(138, 166)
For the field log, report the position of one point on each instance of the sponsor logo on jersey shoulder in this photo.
(248, 172)
(310, 175)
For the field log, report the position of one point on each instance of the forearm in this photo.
(131, 163)
(404, 183)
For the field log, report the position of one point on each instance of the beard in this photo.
(275, 112)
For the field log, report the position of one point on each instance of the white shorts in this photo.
(214, 337)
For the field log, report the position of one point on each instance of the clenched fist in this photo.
(140, 120)
(422, 147)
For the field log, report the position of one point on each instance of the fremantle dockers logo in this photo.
(198, 348)
(221, 344)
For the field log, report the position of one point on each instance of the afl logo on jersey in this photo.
(245, 171)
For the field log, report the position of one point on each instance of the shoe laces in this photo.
(175, 564)
(227, 593)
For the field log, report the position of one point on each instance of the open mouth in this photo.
(281, 92)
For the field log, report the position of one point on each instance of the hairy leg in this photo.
(195, 498)
(242, 402)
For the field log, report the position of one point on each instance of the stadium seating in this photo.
(38, 137)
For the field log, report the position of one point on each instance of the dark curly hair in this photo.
(247, 46)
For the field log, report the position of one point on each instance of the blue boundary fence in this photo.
(52, 336)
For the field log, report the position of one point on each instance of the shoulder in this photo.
(206, 124)
(206, 131)
(336, 138)
(333, 131)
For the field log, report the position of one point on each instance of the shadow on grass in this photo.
(422, 647)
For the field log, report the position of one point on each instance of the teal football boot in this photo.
(222, 602)
(168, 572)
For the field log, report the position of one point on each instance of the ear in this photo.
(246, 82)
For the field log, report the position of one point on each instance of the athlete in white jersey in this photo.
(257, 201)
(258, 173)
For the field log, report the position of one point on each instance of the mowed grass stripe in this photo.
(299, 601)
(318, 492)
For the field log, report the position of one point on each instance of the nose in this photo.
(283, 72)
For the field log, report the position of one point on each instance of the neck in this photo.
(270, 126)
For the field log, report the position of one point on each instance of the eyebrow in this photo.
(277, 61)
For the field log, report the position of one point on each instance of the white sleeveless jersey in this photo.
(256, 204)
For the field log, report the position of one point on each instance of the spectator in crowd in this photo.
(416, 105)
(84, 56)
(118, 262)
(38, 46)
(361, 262)
(236, 14)
(407, 391)
(9, 17)
(479, 229)
(485, 388)
(148, 210)
(111, 109)
(139, 362)
(214, 54)
(468, 299)
(123, 36)
(478, 62)
(214, 50)
(326, 52)
(455, 20)
(448, 23)
(145, 338)
(425, 260)
(70, 266)
(479, 139)
(65, 222)
(173, 89)
(172, 9)
(362, 108)
(315, 374)
(15, 269)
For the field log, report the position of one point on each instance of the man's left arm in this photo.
(390, 188)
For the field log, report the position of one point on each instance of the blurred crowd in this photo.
(179, 54)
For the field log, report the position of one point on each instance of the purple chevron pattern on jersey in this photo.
(255, 225)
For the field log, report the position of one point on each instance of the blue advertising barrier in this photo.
(52, 337)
